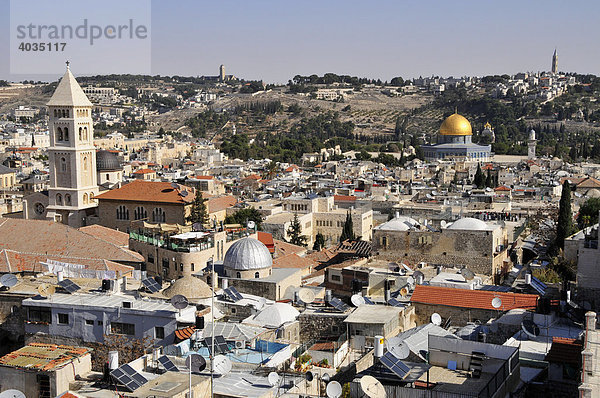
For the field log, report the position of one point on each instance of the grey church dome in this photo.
(107, 161)
(247, 254)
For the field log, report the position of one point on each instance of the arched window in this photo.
(122, 213)
(85, 133)
(85, 163)
(68, 199)
(63, 165)
(238, 275)
(66, 134)
(80, 133)
(85, 198)
(140, 213)
(256, 275)
(59, 199)
(107, 177)
(158, 215)
(59, 134)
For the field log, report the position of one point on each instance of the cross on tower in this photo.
(67, 62)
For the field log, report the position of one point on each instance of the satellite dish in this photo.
(496, 302)
(251, 224)
(326, 377)
(357, 300)
(46, 289)
(436, 319)
(179, 301)
(467, 274)
(8, 280)
(334, 389)
(530, 328)
(196, 363)
(222, 365)
(404, 292)
(197, 226)
(397, 347)
(372, 387)
(12, 394)
(443, 224)
(309, 376)
(273, 379)
(410, 280)
(305, 295)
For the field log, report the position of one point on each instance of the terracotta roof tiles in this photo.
(148, 191)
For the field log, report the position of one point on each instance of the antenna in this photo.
(496, 302)
(467, 274)
(222, 365)
(357, 300)
(436, 319)
(305, 295)
(8, 280)
(273, 379)
(334, 389)
(46, 289)
(372, 387)
(179, 301)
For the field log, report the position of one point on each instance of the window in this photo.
(68, 199)
(158, 215)
(63, 319)
(150, 258)
(233, 310)
(335, 278)
(256, 275)
(40, 314)
(63, 164)
(99, 323)
(159, 332)
(193, 268)
(66, 132)
(122, 213)
(89, 322)
(80, 134)
(59, 199)
(122, 328)
(238, 275)
(140, 213)
(59, 134)
(85, 198)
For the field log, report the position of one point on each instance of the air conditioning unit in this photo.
(127, 304)
(240, 344)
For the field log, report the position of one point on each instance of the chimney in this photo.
(124, 284)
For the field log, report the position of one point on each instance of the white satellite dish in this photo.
(372, 387)
(397, 347)
(325, 377)
(273, 379)
(8, 280)
(46, 289)
(467, 274)
(12, 394)
(443, 224)
(305, 295)
(334, 389)
(436, 319)
(410, 280)
(222, 365)
(251, 224)
(357, 300)
(496, 302)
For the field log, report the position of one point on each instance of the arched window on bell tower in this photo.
(59, 134)
(66, 131)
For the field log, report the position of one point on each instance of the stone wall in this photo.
(460, 316)
(12, 322)
(315, 326)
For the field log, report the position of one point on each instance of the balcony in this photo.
(177, 243)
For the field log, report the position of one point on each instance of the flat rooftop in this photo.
(374, 314)
(43, 357)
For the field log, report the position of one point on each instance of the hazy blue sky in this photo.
(275, 40)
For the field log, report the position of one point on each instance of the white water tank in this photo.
(224, 283)
(378, 343)
(528, 279)
(60, 276)
(113, 360)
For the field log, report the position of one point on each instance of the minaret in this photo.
(222, 73)
(531, 142)
(71, 154)
(555, 62)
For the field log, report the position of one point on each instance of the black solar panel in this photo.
(395, 303)
(339, 304)
(167, 364)
(538, 285)
(128, 377)
(235, 292)
(368, 301)
(494, 288)
(151, 285)
(221, 345)
(395, 365)
(219, 348)
(232, 296)
(69, 285)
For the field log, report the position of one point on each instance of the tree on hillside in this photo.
(479, 179)
(588, 213)
(319, 242)
(295, 233)
(348, 229)
(564, 225)
(199, 212)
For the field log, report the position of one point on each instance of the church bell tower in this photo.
(72, 155)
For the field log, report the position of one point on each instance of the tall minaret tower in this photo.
(531, 142)
(555, 62)
(222, 73)
(72, 154)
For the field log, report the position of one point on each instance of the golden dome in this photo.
(456, 124)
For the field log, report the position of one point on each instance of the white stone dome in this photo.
(275, 315)
(468, 223)
(248, 254)
(399, 223)
(190, 287)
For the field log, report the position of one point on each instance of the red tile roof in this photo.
(565, 350)
(267, 239)
(148, 191)
(462, 298)
(344, 198)
(293, 260)
(215, 204)
(144, 171)
(502, 188)
(108, 234)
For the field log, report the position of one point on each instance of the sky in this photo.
(274, 40)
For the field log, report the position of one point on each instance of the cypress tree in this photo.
(198, 213)
(564, 224)
(348, 229)
(295, 233)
